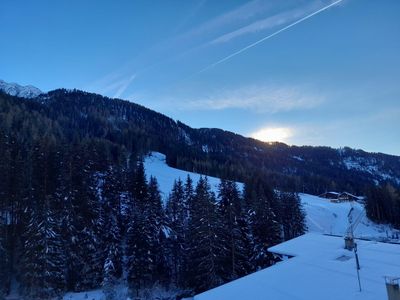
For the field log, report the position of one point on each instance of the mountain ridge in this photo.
(14, 89)
(221, 153)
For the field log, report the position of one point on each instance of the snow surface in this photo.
(324, 216)
(368, 165)
(321, 269)
(156, 166)
(15, 89)
(89, 295)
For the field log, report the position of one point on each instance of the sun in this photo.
(273, 134)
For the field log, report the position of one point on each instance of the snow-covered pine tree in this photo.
(264, 222)
(43, 256)
(244, 262)
(90, 232)
(234, 232)
(188, 203)
(70, 218)
(292, 215)
(43, 268)
(204, 239)
(140, 260)
(4, 272)
(81, 222)
(176, 215)
(110, 274)
(111, 239)
(188, 195)
(139, 187)
(4, 215)
(156, 221)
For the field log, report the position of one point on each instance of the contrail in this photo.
(268, 37)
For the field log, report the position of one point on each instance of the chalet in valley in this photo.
(340, 197)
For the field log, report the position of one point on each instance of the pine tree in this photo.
(140, 188)
(82, 222)
(292, 215)
(188, 207)
(204, 239)
(89, 249)
(176, 215)
(156, 221)
(264, 222)
(188, 195)
(43, 266)
(4, 258)
(140, 263)
(110, 273)
(111, 238)
(4, 214)
(234, 235)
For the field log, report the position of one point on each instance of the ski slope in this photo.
(323, 216)
(156, 166)
(326, 217)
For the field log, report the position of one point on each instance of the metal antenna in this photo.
(357, 265)
(350, 243)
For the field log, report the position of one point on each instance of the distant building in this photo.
(340, 197)
(320, 268)
(345, 196)
(330, 195)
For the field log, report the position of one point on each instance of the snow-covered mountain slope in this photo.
(323, 216)
(372, 166)
(15, 89)
(155, 165)
(326, 217)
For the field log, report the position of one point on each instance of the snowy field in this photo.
(324, 216)
(156, 166)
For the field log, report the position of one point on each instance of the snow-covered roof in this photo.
(320, 269)
(333, 193)
(351, 195)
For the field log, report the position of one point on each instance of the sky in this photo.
(303, 72)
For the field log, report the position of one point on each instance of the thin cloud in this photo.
(257, 98)
(113, 84)
(269, 36)
(124, 84)
(266, 23)
(243, 12)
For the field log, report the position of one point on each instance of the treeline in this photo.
(383, 204)
(83, 216)
(76, 115)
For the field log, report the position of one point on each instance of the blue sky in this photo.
(332, 79)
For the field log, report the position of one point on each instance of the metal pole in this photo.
(357, 266)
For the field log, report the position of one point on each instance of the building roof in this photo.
(320, 269)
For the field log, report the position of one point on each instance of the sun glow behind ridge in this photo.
(273, 134)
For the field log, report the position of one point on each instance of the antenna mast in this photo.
(350, 244)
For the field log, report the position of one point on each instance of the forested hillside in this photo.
(76, 210)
